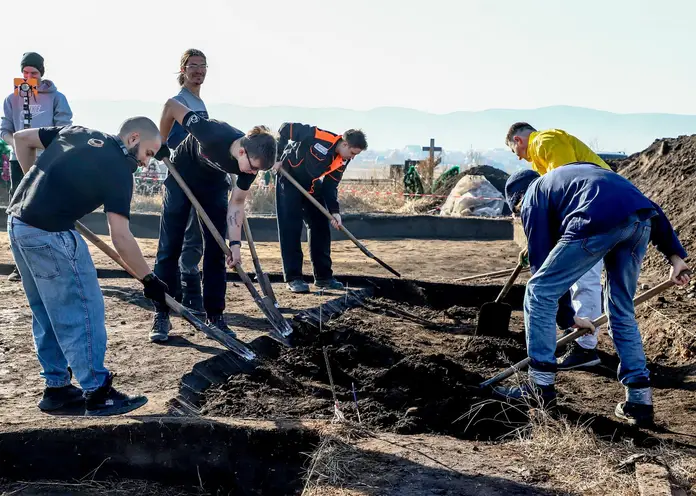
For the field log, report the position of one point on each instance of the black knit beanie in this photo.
(33, 59)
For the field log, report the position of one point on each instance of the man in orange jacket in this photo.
(317, 163)
(546, 151)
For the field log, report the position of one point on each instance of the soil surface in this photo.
(429, 260)
(156, 370)
(666, 173)
(412, 368)
(415, 369)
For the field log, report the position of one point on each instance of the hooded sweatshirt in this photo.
(48, 108)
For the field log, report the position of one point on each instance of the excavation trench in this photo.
(224, 458)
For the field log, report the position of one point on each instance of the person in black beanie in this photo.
(48, 108)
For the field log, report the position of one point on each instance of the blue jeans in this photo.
(192, 251)
(623, 250)
(67, 305)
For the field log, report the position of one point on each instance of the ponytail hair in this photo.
(191, 52)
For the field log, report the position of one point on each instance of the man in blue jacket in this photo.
(573, 217)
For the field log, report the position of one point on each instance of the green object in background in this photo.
(412, 182)
(452, 172)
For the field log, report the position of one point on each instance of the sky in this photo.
(624, 56)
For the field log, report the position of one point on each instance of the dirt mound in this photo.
(412, 367)
(666, 173)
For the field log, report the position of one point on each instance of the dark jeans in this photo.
(193, 246)
(176, 209)
(292, 208)
(16, 175)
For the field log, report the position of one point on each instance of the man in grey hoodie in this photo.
(48, 108)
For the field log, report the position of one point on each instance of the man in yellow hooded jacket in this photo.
(548, 150)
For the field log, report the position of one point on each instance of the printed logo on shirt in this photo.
(321, 148)
(192, 120)
(36, 109)
(97, 143)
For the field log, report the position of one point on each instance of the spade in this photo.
(494, 316)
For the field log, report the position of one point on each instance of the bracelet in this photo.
(235, 242)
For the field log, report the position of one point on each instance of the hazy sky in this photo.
(438, 56)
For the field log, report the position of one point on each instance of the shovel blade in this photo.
(493, 319)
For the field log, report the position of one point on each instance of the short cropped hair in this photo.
(355, 139)
(517, 128)
(143, 125)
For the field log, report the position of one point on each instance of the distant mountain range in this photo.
(390, 128)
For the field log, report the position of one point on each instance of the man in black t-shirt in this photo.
(79, 170)
(208, 155)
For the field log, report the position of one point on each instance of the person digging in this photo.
(211, 151)
(317, 163)
(79, 170)
(547, 150)
(572, 220)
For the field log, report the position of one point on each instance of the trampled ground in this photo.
(414, 366)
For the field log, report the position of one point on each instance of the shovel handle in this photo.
(509, 282)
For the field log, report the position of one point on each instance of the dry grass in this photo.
(364, 197)
(96, 488)
(576, 459)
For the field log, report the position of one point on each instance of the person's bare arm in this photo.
(235, 221)
(26, 142)
(126, 245)
(173, 111)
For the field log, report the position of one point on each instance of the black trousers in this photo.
(16, 175)
(292, 208)
(176, 209)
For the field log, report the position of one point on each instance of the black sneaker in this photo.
(576, 356)
(15, 275)
(55, 398)
(528, 393)
(298, 286)
(219, 322)
(635, 413)
(329, 284)
(161, 326)
(108, 401)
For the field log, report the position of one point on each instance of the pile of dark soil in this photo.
(413, 369)
(666, 173)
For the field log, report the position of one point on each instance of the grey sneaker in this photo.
(298, 286)
(161, 326)
(329, 284)
(219, 322)
(15, 275)
(576, 356)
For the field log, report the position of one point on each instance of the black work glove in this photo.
(154, 288)
(163, 152)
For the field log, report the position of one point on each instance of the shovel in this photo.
(281, 326)
(227, 341)
(494, 316)
(492, 275)
(261, 276)
(579, 332)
